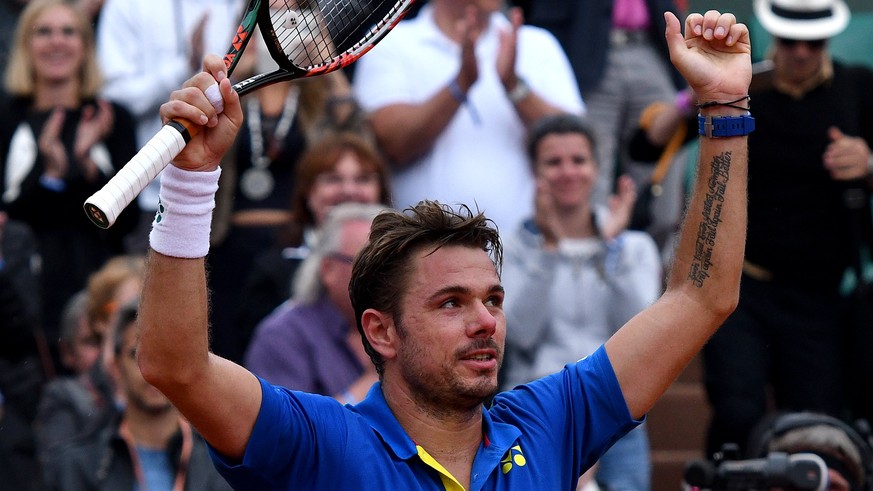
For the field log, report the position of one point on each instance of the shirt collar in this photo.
(498, 436)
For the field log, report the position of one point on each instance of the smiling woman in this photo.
(58, 144)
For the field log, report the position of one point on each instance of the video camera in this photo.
(796, 472)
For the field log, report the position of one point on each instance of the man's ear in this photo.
(380, 331)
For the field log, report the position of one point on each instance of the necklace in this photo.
(257, 181)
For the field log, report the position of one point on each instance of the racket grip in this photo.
(104, 206)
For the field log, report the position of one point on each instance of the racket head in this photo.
(313, 37)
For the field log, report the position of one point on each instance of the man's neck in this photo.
(452, 437)
(798, 88)
(152, 430)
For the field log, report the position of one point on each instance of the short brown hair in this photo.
(558, 124)
(381, 270)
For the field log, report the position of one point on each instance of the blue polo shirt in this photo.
(541, 435)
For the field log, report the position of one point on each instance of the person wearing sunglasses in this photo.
(810, 168)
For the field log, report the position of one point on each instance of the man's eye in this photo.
(494, 301)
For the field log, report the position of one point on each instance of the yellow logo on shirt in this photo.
(512, 456)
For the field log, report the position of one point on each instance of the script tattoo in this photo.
(712, 206)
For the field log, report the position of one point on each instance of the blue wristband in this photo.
(725, 126)
(458, 94)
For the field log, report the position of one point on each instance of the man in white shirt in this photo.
(451, 93)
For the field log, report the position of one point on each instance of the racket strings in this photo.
(316, 32)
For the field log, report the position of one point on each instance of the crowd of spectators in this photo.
(447, 107)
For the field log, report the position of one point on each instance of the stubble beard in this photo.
(443, 392)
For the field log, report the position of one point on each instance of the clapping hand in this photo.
(94, 126)
(621, 207)
(51, 148)
(507, 53)
(468, 32)
(546, 215)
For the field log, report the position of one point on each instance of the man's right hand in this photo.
(217, 131)
(714, 55)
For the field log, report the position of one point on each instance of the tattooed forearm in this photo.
(706, 231)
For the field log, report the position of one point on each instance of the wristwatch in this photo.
(519, 92)
(724, 126)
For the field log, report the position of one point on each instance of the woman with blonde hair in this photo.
(59, 143)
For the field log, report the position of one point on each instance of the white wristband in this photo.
(182, 224)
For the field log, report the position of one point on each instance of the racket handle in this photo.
(104, 206)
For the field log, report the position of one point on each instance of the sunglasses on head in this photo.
(811, 43)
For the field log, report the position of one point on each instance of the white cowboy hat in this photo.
(803, 19)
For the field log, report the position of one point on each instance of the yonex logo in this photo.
(513, 456)
(159, 215)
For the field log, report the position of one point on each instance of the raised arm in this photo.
(652, 349)
(220, 399)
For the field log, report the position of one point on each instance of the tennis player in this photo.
(429, 303)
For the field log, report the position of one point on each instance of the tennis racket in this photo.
(304, 37)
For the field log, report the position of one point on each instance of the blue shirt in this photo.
(541, 435)
(304, 347)
(156, 468)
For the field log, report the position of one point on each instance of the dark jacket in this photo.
(22, 372)
(70, 246)
(102, 462)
